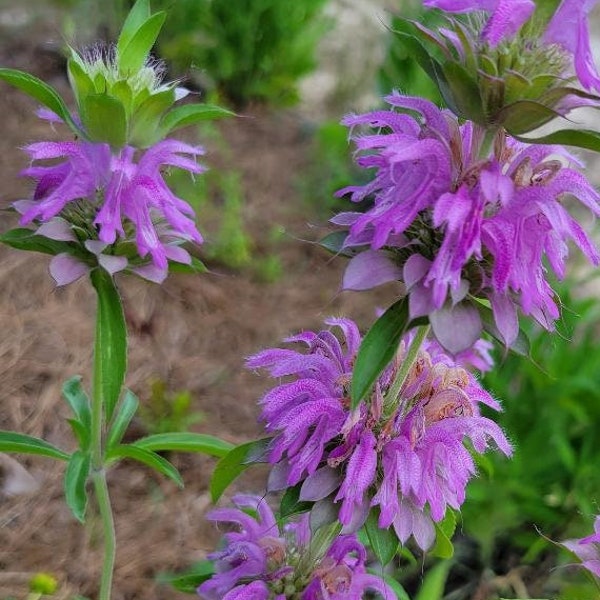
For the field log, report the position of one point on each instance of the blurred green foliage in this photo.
(552, 414)
(330, 169)
(166, 411)
(249, 50)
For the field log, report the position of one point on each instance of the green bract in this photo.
(518, 85)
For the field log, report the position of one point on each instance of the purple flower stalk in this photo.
(106, 200)
(403, 453)
(261, 561)
(454, 221)
(587, 549)
(567, 29)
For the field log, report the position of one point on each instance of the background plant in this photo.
(249, 51)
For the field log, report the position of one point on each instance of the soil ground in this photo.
(192, 333)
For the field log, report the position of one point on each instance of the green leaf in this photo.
(76, 476)
(188, 581)
(127, 410)
(185, 442)
(78, 400)
(146, 118)
(291, 503)
(525, 115)
(395, 585)
(378, 348)
(189, 114)
(41, 92)
(137, 16)
(11, 441)
(82, 435)
(444, 531)
(104, 119)
(434, 582)
(22, 238)
(464, 92)
(196, 267)
(383, 542)
(132, 55)
(110, 346)
(421, 55)
(147, 457)
(81, 83)
(580, 138)
(234, 463)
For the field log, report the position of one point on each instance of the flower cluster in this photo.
(106, 202)
(567, 29)
(260, 561)
(587, 549)
(456, 221)
(402, 452)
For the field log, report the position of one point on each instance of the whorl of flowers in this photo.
(567, 29)
(454, 220)
(107, 202)
(587, 549)
(263, 561)
(403, 453)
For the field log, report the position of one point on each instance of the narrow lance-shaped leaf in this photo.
(189, 114)
(234, 463)
(137, 16)
(185, 442)
(291, 503)
(123, 417)
(78, 400)
(190, 579)
(11, 441)
(383, 542)
(110, 346)
(41, 92)
(150, 459)
(444, 531)
(76, 476)
(133, 55)
(580, 138)
(378, 348)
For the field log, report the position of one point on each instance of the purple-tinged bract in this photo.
(263, 560)
(454, 220)
(404, 453)
(587, 549)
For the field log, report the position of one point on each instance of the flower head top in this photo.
(456, 220)
(403, 453)
(507, 65)
(263, 561)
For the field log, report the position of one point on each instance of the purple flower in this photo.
(453, 225)
(91, 194)
(587, 549)
(403, 453)
(568, 27)
(261, 561)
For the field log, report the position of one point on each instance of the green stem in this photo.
(402, 373)
(108, 530)
(110, 345)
